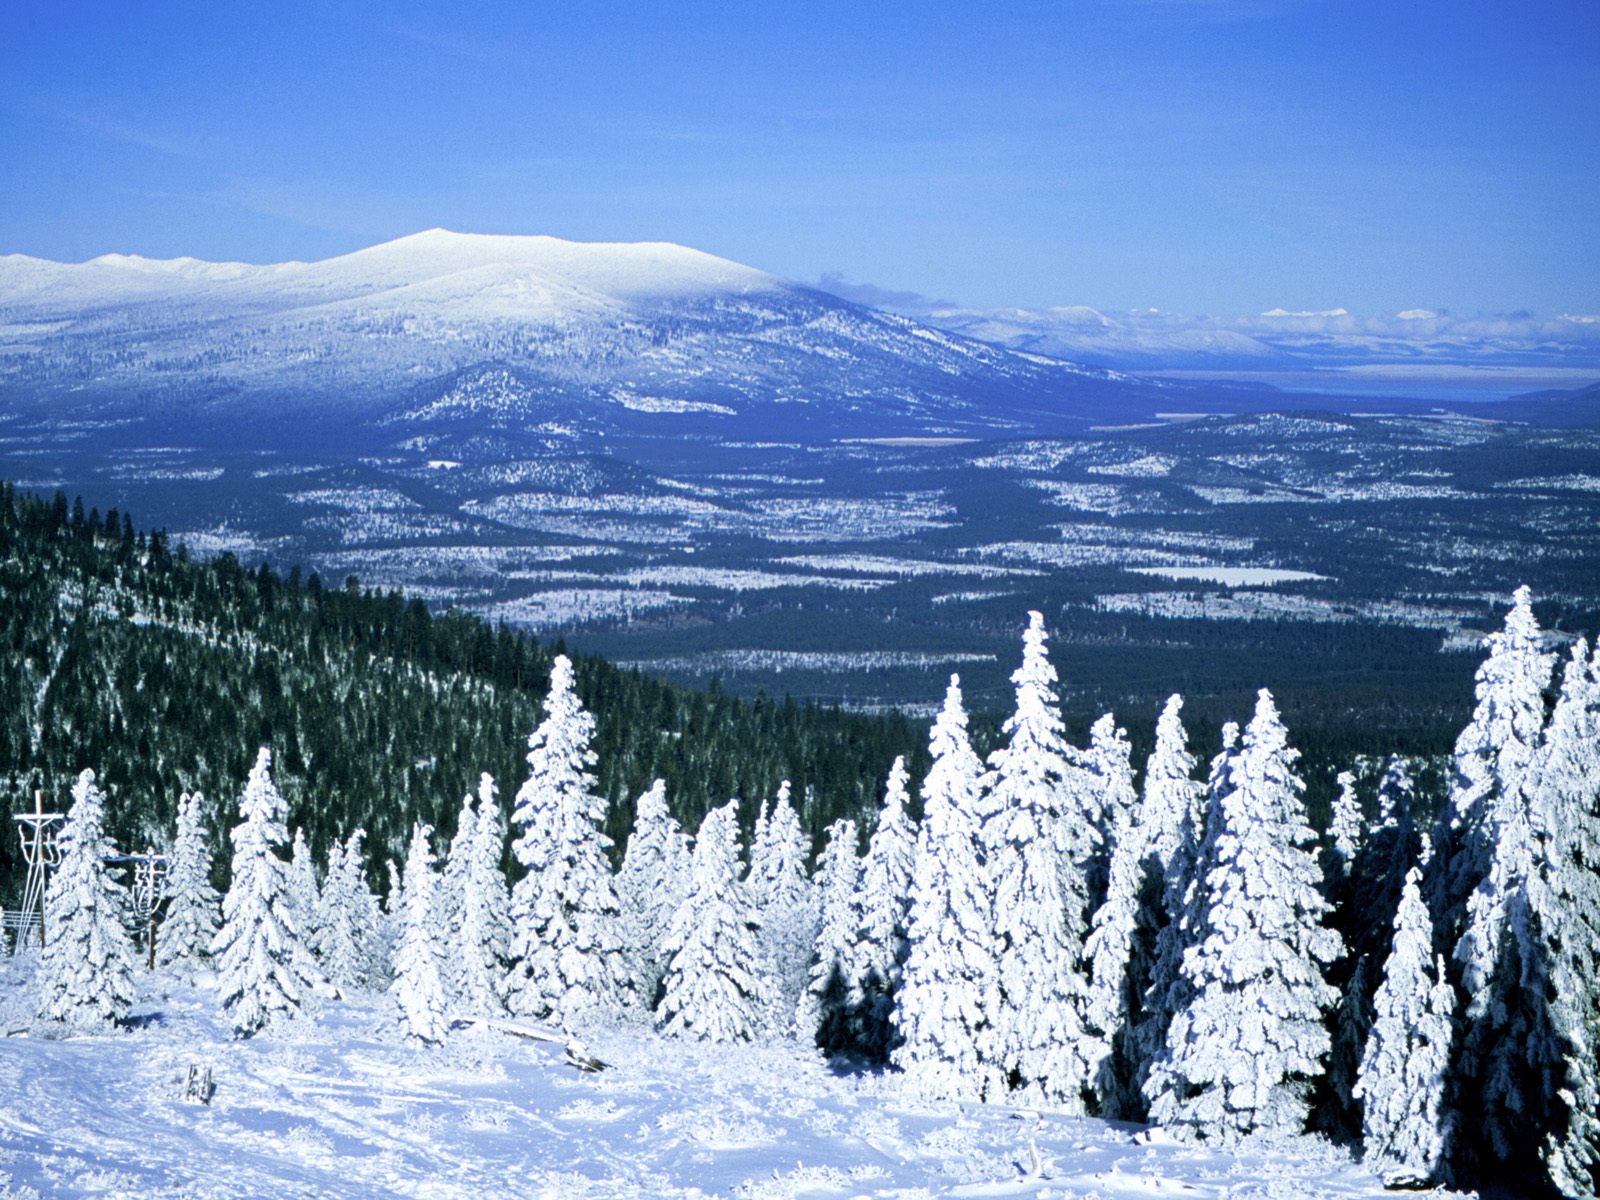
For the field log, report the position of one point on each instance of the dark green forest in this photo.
(164, 674)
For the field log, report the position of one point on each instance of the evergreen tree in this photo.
(940, 1015)
(824, 1012)
(191, 920)
(1187, 899)
(879, 953)
(1036, 1012)
(1402, 1076)
(787, 908)
(566, 947)
(263, 970)
(86, 968)
(348, 919)
(714, 988)
(1347, 831)
(1110, 766)
(301, 892)
(481, 932)
(650, 886)
(418, 987)
(1492, 756)
(1244, 1051)
(451, 892)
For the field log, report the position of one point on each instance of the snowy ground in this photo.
(336, 1107)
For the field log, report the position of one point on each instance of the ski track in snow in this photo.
(338, 1107)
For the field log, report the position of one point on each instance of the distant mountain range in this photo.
(524, 334)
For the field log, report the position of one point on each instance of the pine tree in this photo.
(824, 1012)
(1565, 894)
(940, 1015)
(86, 968)
(451, 892)
(481, 932)
(650, 886)
(1347, 831)
(1402, 1077)
(263, 970)
(348, 918)
(1492, 756)
(566, 947)
(1244, 1051)
(714, 988)
(787, 908)
(191, 920)
(880, 948)
(1110, 765)
(301, 892)
(1187, 899)
(1036, 1013)
(418, 987)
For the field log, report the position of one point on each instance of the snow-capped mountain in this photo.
(515, 333)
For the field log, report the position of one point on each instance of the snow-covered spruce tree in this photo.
(86, 967)
(1169, 989)
(480, 933)
(1110, 765)
(1566, 898)
(650, 886)
(1402, 1077)
(263, 970)
(450, 893)
(1036, 1009)
(348, 917)
(1347, 831)
(301, 890)
(940, 1016)
(418, 987)
(1245, 1050)
(566, 944)
(191, 920)
(1492, 756)
(880, 947)
(824, 1013)
(787, 908)
(714, 988)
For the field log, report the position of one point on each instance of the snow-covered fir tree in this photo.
(650, 886)
(1186, 900)
(480, 933)
(1565, 801)
(940, 1016)
(448, 896)
(349, 918)
(1110, 764)
(85, 976)
(418, 987)
(263, 970)
(191, 920)
(1347, 830)
(824, 1012)
(1402, 1077)
(566, 942)
(879, 952)
(1243, 1052)
(1037, 1009)
(715, 988)
(1492, 757)
(301, 890)
(787, 908)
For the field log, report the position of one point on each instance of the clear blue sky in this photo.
(1202, 155)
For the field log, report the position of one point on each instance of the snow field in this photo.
(337, 1106)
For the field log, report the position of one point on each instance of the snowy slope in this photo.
(614, 329)
(338, 1108)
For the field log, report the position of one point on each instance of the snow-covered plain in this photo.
(339, 1106)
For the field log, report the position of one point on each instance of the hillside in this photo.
(164, 674)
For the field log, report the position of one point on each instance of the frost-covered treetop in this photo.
(262, 810)
(1171, 793)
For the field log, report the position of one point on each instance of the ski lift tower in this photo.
(149, 890)
(36, 831)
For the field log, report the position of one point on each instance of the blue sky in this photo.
(1200, 155)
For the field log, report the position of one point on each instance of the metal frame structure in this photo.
(36, 831)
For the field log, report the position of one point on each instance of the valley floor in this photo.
(340, 1107)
